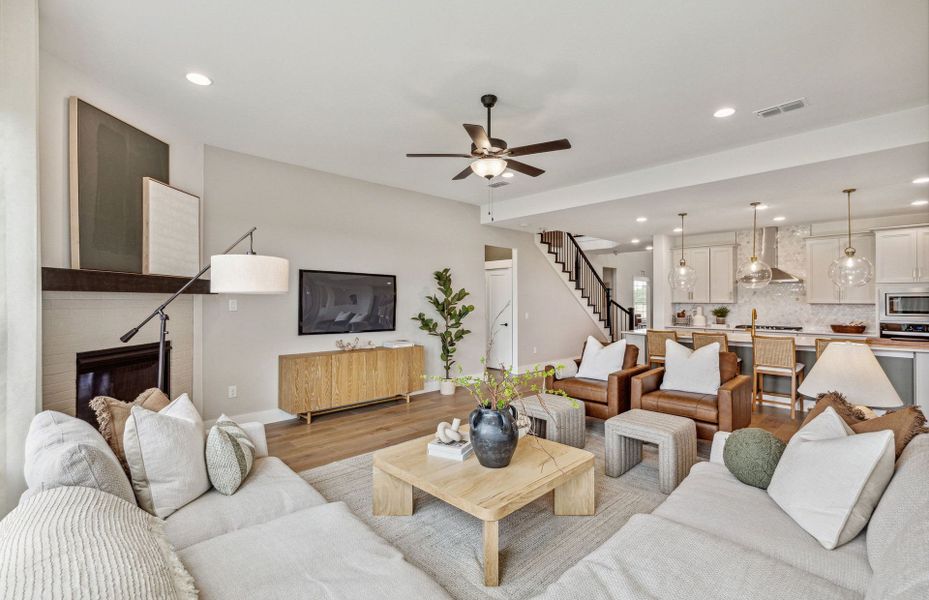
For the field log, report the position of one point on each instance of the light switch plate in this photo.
(233, 305)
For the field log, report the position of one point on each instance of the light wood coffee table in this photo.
(538, 467)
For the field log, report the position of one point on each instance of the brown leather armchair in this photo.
(730, 408)
(602, 399)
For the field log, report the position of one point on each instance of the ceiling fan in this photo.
(492, 156)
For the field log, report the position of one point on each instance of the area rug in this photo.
(536, 547)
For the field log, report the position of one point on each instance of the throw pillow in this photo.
(164, 450)
(687, 370)
(112, 415)
(830, 479)
(565, 368)
(599, 360)
(62, 451)
(229, 455)
(752, 455)
(905, 423)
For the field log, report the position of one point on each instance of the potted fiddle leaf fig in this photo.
(448, 327)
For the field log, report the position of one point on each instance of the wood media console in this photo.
(322, 382)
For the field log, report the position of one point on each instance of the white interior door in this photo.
(500, 317)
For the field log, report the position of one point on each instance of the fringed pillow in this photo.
(112, 415)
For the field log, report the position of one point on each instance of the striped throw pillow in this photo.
(229, 455)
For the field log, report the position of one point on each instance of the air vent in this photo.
(497, 184)
(773, 111)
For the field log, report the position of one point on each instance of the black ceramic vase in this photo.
(494, 435)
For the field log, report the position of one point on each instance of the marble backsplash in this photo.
(785, 303)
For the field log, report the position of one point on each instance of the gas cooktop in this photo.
(771, 327)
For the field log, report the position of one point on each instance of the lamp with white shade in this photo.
(247, 273)
(851, 369)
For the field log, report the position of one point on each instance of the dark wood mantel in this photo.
(86, 280)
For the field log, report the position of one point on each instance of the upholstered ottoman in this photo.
(675, 436)
(562, 419)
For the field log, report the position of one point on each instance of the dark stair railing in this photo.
(574, 262)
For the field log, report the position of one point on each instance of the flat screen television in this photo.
(339, 302)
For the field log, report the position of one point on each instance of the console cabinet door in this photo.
(722, 274)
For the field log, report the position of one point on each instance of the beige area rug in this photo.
(536, 547)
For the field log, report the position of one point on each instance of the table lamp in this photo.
(852, 370)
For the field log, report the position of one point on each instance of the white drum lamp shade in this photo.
(249, 274)
(852, 370)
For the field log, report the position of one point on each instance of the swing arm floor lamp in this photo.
(247, 273)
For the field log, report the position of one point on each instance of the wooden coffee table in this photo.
(538, 467)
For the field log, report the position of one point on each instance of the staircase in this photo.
(563, 248)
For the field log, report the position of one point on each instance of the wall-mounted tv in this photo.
(339, 302)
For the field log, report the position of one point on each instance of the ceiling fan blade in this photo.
(478, 136)
(539, 148)
(443, 155)
(467, 171)
(523, 168)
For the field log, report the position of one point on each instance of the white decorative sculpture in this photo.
(449, 433)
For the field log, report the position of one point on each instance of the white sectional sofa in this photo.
(715, 537)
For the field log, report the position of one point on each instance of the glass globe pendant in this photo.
(755, 273)
(850, 270)
(683, 276)
(489, 167)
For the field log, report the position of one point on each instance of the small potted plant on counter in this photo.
(451, 313)
(721, 312)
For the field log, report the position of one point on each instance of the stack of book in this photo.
(453, 450)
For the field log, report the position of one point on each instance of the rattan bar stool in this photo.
(655, 342)
(775, 356)
(821, 343)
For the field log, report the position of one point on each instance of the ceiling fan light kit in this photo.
(492, 156)
(850, 270)
(755, 273)
(683, 276)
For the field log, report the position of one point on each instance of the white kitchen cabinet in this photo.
(699, 259)
(821, 252)
(722, 274)
(902, 255)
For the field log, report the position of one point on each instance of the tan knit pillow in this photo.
(112, 415)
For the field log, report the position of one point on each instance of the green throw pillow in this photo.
(752, 455)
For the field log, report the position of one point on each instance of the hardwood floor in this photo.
(345, 434)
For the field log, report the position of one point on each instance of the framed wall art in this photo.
(170, 230)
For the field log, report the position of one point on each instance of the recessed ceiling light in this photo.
(507, 174)
(779, 218)
(634, 240)
(921, 180)
(199, 79)
(524, 224)
(678, 230)
(762, 207)
(724, 112)
(649, 248)
(919, 202)
(641, 219)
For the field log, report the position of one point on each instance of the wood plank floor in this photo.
(345, 434)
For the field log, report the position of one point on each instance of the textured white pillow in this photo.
(829, 479)
(687, 370)
(230, 454)
(599, 361)
(165, 452)
(568, 368)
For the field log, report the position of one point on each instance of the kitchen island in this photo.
(906, 363)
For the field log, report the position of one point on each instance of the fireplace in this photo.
(123, 372)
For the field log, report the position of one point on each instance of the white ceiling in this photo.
(350, 87)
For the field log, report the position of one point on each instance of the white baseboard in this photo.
(273, 415)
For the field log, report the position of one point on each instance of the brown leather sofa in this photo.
(730, 408)
(602, 399)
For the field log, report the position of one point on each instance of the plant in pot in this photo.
(721, 312)
(448, 327)
(494, 430)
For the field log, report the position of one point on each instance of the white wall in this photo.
(322, 221)
(57, 82)
(20, 320)
(628, 265)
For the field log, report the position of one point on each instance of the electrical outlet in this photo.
(527, 315)
(233, 392)
(233, 305)
(535, 350)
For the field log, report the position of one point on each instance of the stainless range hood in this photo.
(768, 255)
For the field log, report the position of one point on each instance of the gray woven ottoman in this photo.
(675, 436)
(561, 420)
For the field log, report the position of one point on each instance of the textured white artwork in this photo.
(170, 231)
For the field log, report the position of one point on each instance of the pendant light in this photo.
(849, 270)
(683, 276)
(755, 273)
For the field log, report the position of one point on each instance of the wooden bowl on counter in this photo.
(848, 328)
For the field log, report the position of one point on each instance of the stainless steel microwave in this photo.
(905, 304)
